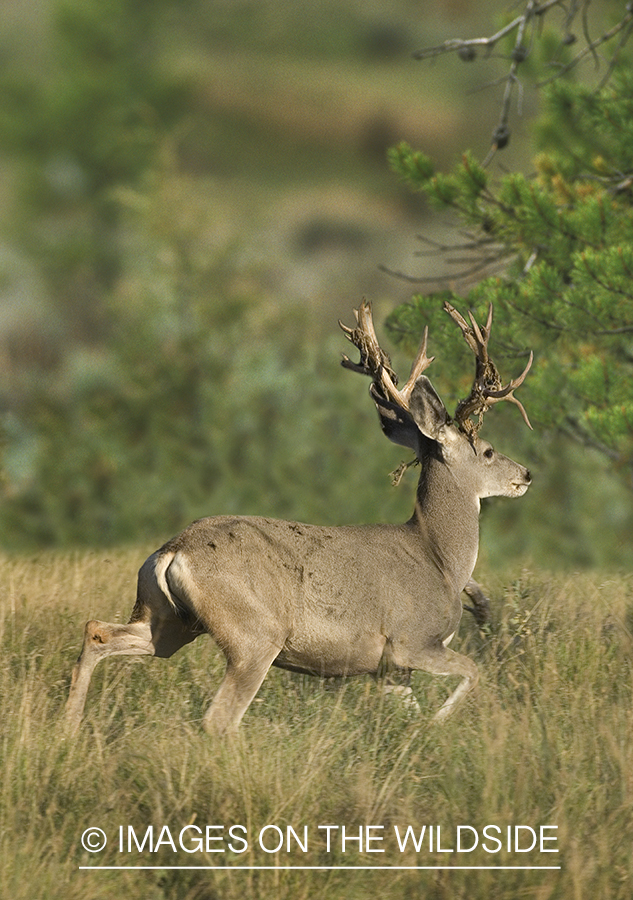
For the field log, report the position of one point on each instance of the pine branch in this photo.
(523, 27)
(626, 25)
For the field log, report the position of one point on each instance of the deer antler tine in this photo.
(510, 396)
(456, 316)
(346, 362)
(346, 330)
(483, 334)
(518, 403)
(420, 363)
(375, 362)
(512, 385)
(465, 328)
(487, 388)
(489, 321)
(480, 338)
(364, 312)
(507, 393)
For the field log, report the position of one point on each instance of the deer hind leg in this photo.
(144, 635)
(103, 639)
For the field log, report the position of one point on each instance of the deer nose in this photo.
(528, 476)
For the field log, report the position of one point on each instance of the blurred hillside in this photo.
(192, 194)
(273, 122)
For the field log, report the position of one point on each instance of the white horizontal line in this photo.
(326, 868)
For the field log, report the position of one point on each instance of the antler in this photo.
(376, 363)
(487, 388)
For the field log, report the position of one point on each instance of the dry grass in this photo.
(546, 742)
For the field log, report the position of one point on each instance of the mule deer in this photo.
(331, 601)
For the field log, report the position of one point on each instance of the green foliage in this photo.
(104, 100)
(92, 117)
(565, 235)
(176, 394)
(414, 167)
(202, 402)
(460, 190)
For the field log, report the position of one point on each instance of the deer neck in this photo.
(446, 519)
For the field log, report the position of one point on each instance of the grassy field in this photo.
(546, 742)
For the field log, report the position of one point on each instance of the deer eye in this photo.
(489, 453)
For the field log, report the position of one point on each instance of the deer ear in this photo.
(396, 423)
(427, 409)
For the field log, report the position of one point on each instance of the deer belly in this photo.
(337, 652)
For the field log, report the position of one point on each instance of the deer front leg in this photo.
(451, 663)
(103, 639)
(481, 604)
(439, 660)
(404, 694)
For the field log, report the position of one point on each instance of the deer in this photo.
(345, 600)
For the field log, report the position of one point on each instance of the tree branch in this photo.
(534, 12)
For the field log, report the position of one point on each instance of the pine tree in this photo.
(562, 239)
